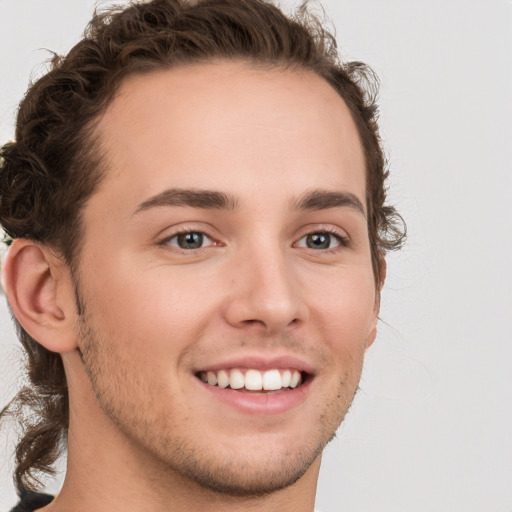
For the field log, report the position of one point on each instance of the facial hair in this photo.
(127, 395)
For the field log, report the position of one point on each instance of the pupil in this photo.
(190, 240)
(318, 241)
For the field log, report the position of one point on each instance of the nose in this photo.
(265, 294)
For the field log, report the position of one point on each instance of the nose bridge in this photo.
(266, 291)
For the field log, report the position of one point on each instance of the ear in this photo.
(40, 293)
(372, 331)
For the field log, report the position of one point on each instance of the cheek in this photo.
(346, 308)
(155, 311)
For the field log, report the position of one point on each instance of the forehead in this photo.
(230, 125)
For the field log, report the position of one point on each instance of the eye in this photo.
(321, 241)
(189, 240)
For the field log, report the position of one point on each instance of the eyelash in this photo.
(343, 241)
(166, 241)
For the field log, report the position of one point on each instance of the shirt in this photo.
(30, 501)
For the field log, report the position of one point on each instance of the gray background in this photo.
(431, 428)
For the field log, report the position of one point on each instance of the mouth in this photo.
(249, 380)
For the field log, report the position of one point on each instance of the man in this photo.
(196, 199)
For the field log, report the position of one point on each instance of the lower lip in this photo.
(264, 404)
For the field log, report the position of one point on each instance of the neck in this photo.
(101, 477)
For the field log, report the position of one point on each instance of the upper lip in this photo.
(259, 362)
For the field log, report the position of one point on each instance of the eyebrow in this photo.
(207, 199)
(324, 199)
(211, 199)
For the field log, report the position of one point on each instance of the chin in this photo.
(245, 477)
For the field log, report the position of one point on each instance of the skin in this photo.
(145, 433)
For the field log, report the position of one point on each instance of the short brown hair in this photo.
(54, 166)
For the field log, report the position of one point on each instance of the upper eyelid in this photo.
(175, 249)
(186, 231)
(212, 233)
(323, 228)
(171, 231)
(343, 241)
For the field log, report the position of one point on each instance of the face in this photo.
(226, 272)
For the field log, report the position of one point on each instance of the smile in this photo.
(253, 380)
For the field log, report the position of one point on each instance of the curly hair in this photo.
(54, 166)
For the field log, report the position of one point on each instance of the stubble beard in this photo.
(175, 454)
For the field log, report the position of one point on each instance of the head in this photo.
(57, 175)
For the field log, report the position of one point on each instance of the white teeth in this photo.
(286, 378)
(236, 379)
(271, 380)
(253, 380)
(295, 379)
(223, 379)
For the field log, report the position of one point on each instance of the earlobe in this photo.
(33, 284)
(372, 331)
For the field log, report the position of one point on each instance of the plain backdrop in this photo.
(431, 427)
